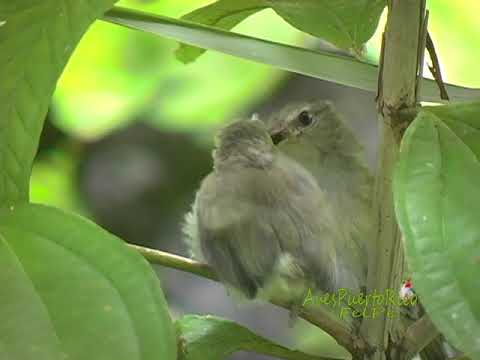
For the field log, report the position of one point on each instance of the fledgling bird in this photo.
(261, 220)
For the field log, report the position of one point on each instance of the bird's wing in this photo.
(248, 226)
(232, 234)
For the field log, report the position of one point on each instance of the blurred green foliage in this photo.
(346, 25)
(52, 180)
(117, 75)
(454, 29)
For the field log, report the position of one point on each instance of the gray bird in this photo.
(315, 136)
(261, 220)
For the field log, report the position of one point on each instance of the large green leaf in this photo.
(320, 64)
(213, 338)
(348, 24)
(36, 40)
(72, 290)
(437, 201)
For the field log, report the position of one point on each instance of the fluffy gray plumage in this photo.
(288, 216)
(330, 151)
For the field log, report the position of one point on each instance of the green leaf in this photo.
(347, 24)
(72, 290)
(320, 64)
(36, 40)
(437, 201)
(223, 14)
(214, 338)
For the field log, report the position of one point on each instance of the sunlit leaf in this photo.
(437, 201)
(70, 290)
(320, 64)
(345, 23)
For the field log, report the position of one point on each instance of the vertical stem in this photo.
(396, 92)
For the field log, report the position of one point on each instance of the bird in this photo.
(316, 136)
(261, 220)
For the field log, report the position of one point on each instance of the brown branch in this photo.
(176, 262)
(435, 68)
(398, 85)
(319, 315)
(419, 334)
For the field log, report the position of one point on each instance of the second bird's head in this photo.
(299, 119)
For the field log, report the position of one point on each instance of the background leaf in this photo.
(347, 24)
(324, 65)
(437, 202)
(36, 40)
(72, 290)
(456, 35)
(214, 338)
(118, 75)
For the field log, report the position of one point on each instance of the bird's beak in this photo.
(279, 136)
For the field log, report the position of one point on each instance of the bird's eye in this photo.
(305, 118)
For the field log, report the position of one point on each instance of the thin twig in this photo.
(435, 68)
(318, 315)
(175, 261)
(421, 53)
(380, 71)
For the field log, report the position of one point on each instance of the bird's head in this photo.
(298, 118)
(244, 142)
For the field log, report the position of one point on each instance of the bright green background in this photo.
(118, 75)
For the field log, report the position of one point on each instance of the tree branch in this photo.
(317, 314)
(176, 262)
(419, 335)
(398, 84)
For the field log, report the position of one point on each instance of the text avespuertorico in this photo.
(362, 305)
